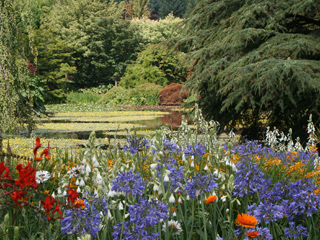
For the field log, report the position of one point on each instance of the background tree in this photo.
(255, 60)
(15, 97)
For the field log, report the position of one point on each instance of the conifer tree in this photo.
(253, 60)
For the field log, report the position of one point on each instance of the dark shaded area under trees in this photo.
(255, 60)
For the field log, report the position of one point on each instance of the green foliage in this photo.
(154, 65)
(155, 32)
(142, 95)
(15, 98)
(145, 94)
(262, 60)
(177, 8)
(82, 44)
(82, 97)
(115, 96)
(137, 9)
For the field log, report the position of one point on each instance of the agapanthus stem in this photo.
(204, 217)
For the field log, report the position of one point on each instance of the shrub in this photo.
(173, 94)
(145, 94)
(115, 96)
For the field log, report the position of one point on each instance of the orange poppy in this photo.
(210, 199)
(246, 220)
(252, 234)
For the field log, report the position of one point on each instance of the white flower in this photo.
(206, 168)
(192, 164)
(120, 206)
(99, 178)
(82, 183)
(88, 169)
(78, 190)
(155, 187)
(75, 171)
(183, 157)
(153, 165)
(42, 176)
(166, 178)
(174, 227)
(172, 199)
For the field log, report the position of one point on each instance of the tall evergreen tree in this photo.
(253, 59)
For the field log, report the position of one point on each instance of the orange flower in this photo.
(252, 234)
(210, 199)
(79, 204)
(246, 220)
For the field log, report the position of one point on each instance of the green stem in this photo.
(204, 217)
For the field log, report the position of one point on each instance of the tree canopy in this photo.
(255, 59)
(16, 105)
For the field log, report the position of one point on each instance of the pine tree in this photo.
(253, 60)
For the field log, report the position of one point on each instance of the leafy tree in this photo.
(255, 59)
(154, 65)
(155, 32)
(15, 97)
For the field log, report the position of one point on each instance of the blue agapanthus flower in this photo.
(294, 231)
(148, 213)
(128, 182)
(176, 175)
(196, 150)
(301, 199)
(132, 232)
(249, 178)
(80, 221)
(200, 183)
(135, 144)
(168, 147)
(266, 212)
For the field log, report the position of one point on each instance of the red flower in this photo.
(57, 209)
(7, 174)
(17, 196)
(48, 203)
(73, 195)
(45, 152)
(26, 176)
(38, 145)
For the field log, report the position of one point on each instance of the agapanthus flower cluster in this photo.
(98, 204)
(129, 183)
(195, 150)
(176, 176)
(85, 219)
(135, 144)
(301, 199)
(132, 232)
(294, 231)
(168, 147)
(199, 184)
(266, 212)
(249, 178)
(148, 213)
(80, 221)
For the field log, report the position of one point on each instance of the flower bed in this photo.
(176, 185)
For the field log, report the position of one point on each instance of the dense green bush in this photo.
(144, 94)
(115, 96)
(155, 65)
